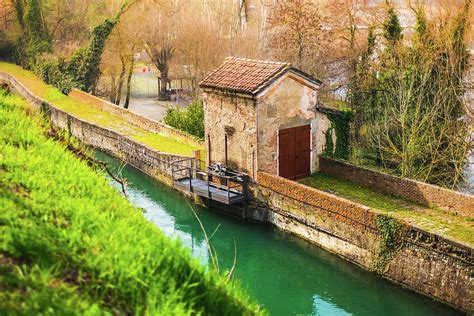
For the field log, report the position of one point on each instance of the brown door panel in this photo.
(294, 152)
(302, 151)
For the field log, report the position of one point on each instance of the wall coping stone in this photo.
(416, 191)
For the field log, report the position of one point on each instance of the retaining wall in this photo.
(416, 191)
(427, 263)
(136, 119)
(149, 160)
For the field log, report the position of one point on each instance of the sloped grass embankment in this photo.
(70, 244)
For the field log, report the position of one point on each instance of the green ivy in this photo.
(82, 70)
(392, 27)
(340, 124)
(84, 64)
(34, 38)
(329, 148)
(391, 240)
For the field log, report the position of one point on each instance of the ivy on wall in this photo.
(329, 147)
(82, 70)
(392, 234)
(340, 124)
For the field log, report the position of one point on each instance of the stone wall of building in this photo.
(419, 192)
(136, 119)
(323, 124)
(286, 103)
(234, 116)
(426, 263)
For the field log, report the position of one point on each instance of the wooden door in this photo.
(286, 150)
(294, 152)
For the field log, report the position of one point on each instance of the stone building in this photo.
(263, 115)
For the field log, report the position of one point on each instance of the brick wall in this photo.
(340, 209)
(419, 192)
(136, 119)
(427, 263)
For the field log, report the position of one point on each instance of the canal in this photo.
(285, 274)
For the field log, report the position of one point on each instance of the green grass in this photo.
(444, 223)
(71, 245)
(87, 112)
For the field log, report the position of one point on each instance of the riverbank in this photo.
(72, 245)
(425, 262)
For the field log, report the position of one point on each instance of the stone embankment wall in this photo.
(422, 261)
(149, 160)
(136, 119)
(419, 192)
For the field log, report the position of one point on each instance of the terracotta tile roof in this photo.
(243, 75)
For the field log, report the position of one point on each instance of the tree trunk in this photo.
(129, 81)
(164, 93)
(118, 96)
(113, 87)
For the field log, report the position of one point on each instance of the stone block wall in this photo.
(155, 163)
(426, 263)
(235, 116)
(285, 104)
(416, 191)
(136, 119)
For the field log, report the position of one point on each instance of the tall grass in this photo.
(70, 244)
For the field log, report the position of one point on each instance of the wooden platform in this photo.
(210, 190)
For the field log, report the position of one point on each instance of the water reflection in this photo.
(157, 213)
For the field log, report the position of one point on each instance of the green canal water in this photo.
(285, 274)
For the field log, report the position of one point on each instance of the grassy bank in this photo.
(443, 223)
(82, 110)
(71, 245)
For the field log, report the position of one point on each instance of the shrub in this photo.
(190, 120)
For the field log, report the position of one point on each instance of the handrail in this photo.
(231, 178)
(186, 168)
(181, 160)
(234, 183)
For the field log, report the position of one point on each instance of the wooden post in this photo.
(172, 173)
(197, 158)
(225, 150)
(208, 149)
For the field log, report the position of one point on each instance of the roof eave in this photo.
(306, 76)
(228, 92)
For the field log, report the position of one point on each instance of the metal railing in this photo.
(232, 182)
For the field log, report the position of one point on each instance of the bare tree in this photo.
(298, 34)
(161, 56)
